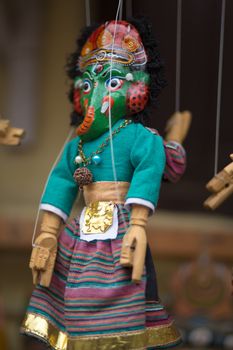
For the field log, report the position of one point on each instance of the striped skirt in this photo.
(92, 304)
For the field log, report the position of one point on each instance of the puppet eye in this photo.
(78, 83)
(86, 86)
(114, 84)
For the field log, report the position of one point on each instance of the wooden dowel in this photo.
(178, 126)
(8, 135)
(217, 199)
(221, 185)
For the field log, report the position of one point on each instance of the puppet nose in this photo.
(87, 122)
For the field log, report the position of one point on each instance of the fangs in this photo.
(104, 107)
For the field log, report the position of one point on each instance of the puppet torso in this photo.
(139, 157)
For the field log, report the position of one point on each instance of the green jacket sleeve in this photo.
(61, 189)
(148, 160)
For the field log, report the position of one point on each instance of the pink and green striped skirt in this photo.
(92, 304)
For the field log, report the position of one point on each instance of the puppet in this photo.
(99, 295)
(221, 186)
(9, 135)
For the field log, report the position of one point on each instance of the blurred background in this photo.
(192, 247)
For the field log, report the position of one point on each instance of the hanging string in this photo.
(219, 91)
(72, 130)
(88, 12)
(70, 134)
(121, 11)
(178, 54)
(129, 9)
(109, 96)
(120, 3)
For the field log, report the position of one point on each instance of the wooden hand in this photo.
(221, 186)
(133, 251)
(43, 259)
(45, 249)
(9, 135)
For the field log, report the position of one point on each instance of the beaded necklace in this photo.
(83, 176)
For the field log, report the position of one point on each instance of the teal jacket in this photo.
(139, 159)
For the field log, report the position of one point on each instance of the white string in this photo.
(110, 115)
(178, 54)
(88, 12)
(219, 91)
(72, 130)
(109, 98)
(129, 9)
(121, 10)
(53, 166)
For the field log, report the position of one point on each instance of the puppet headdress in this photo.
(126, 48)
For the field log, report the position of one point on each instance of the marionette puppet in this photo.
(221, 187)
(95, 281)
(9, 135)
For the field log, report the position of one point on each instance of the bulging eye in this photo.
(114, 84)
(78, 83)
(86, 86)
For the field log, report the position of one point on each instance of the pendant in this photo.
(96, 159)
(83, 176)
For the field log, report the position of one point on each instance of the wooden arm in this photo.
(135, 239)
(178, 126)
(45, 249)
(8, 135)
(221, 185)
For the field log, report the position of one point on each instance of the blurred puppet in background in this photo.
(95, 280)
(221, 187)
(9, 135)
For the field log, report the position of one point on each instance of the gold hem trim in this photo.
(136, 340)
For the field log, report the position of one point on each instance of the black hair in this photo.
(154, 67)
(73, 71)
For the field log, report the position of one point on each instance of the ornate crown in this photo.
(126, 48)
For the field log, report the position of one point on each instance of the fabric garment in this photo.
(92, 302)
(175, 159)
(139, 157)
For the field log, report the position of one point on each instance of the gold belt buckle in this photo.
(98, 217)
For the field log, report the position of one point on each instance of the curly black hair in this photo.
(154, 67)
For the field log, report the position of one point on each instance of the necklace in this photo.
(83, 176)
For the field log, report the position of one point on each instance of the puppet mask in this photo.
(114, 80)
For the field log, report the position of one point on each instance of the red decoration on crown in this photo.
(126, 48)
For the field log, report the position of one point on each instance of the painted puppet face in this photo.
(101, 91)
(113, 82)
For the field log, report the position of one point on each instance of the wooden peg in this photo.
(8, 135)
(221, 185)
(177, 126)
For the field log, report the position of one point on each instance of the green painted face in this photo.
(128, 95)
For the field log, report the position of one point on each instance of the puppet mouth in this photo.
(87, 122)
(105, 104)
(104, 107)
